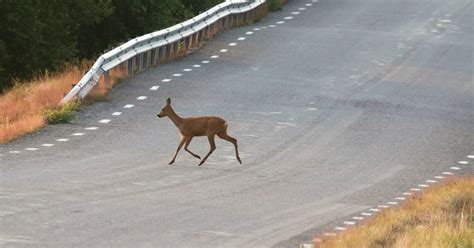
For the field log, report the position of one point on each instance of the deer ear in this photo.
(168, 101)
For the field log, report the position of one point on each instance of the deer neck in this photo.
(176, 119)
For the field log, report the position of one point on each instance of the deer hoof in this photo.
(197, 156)
(200, 164)
(170, 163)
(240, 161)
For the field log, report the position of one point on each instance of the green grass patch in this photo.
(275, 5)
(62, 115)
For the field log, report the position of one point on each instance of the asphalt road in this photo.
(338, 110)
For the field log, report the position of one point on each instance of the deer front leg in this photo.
(181, 143)
(213, 147)
(188, 140)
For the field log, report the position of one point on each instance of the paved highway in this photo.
(339, 109)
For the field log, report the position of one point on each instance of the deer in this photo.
(191, 127)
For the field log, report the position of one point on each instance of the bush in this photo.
(62, 115)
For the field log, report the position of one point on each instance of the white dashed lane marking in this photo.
(128, 106)
(91, 128)
(62, 140)
(295, 13)
(431, 181)
(439, 177)
(205, 62)
(233, 44)
(392, 203)
(454, 168)
(256, 29)
(447, 173)
(340, 228)
(288, 18)
(32, 149)
(249, 33)
(400, 198)
(357, 218)
(366, 214)
(302, 8)
(156, 87)
(309, 4)
(280, 22)
(463, 162)
(166, 80)
(374, 210)
(187, 69)
(77, 134)
(223, 50)
(141, 98)
(15, 152)
(350, 223)
(241, 38)
(177, 75)
(116, 113)
(470, 156)
(104, 121)
(196, 66)
(407, 193)
(47, 145)
(423, 185)
(383, 206)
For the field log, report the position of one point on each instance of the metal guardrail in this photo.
(165, 45)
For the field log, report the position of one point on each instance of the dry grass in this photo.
(23, 108)
(441, 217)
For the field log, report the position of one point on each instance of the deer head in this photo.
(166, 110)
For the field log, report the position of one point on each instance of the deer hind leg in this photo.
(181, 143)
(232, 140)
(212, 143)
(188, 140)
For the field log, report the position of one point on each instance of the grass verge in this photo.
(29, 106)
(443, 216)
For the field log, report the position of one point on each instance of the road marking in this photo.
(470, 156)
(374, 210)
(15, 152)
(329, 234)
(309, 4)
(47, 145)
(340, 228)
(349, 223)
(439, 177)
(62, 140)
(423, 185)
(214, 57)
(116, 113)
(196, 66)
(32, 149)
(366, 214)
(91, 128)
(241, 38)
(400, 198)
(141, 98)
(392, 203)
(177, 75)
(312, 109)
(407, 193)
(129, 106)
(249, 33)
(288, 17)
(295, 13)
(271, 26)
(223, 50)
(463, 162)
(302, 8)
(233, 44)
(383, 206)
(104, 121)
(250, 135)
(357, 218)
(205, 61)
(447, 173)
(187, 70)
(256, 29)
(454, 168)
(77, 134)
(280, 22)
(166, 80)
(156, 87)
(431, 181)
(415, 189)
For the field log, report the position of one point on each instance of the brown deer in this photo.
(209, 126)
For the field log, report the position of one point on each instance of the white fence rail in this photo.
(163, 45)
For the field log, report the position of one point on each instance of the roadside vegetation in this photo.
(443, 216)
